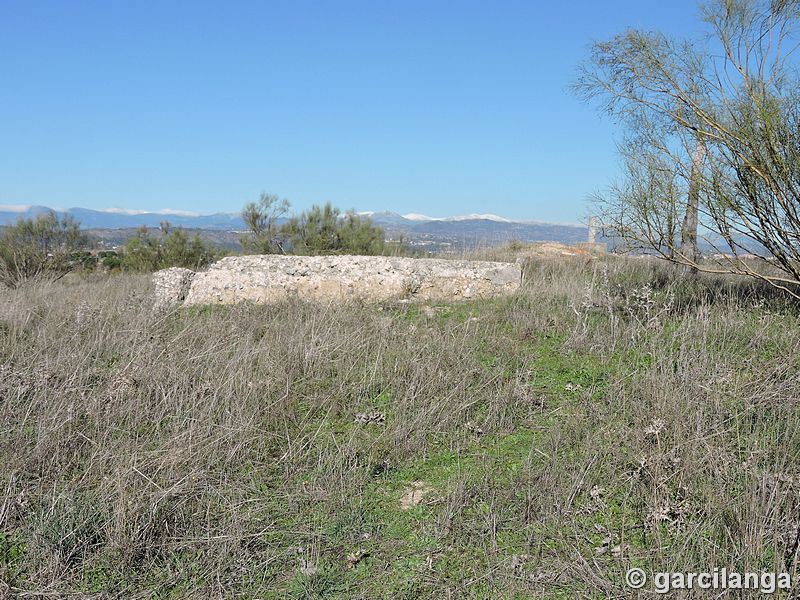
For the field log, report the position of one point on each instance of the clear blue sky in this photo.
(414, 106)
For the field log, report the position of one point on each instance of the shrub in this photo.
(324, 230)
(41, 247)
(110, 259)
(147, 252)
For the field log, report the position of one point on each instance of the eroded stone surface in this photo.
(275, 278)
(172, 285)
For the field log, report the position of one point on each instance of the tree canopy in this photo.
(711, 139)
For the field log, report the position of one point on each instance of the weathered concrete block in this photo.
(275, 278)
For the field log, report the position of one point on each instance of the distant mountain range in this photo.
(421, 230)
(118, 218)
(466, 231)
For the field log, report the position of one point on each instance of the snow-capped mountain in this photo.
(469, 217)
(475, 229)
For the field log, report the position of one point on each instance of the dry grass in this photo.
(613, 413)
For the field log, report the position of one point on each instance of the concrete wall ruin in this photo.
(275, 278)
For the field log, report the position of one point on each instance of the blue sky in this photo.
(431, 107)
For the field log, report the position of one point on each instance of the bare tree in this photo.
(712, 140)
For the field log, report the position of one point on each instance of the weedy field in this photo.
(613, 413)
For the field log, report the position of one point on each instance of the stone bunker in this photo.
(275, 278)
